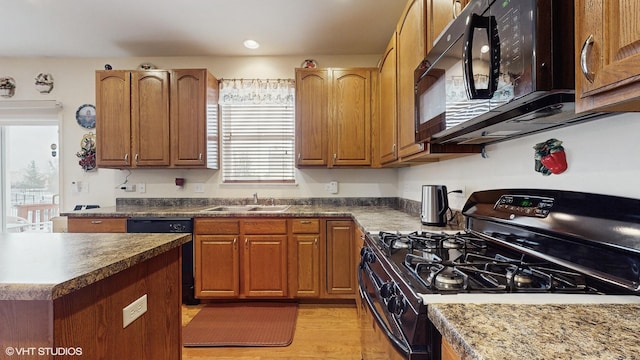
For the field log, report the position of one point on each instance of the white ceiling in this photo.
(146, 28)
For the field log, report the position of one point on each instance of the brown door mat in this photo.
(242, 324)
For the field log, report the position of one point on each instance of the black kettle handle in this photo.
(491, 27)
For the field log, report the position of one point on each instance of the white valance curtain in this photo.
(258, 130)
(257, 91)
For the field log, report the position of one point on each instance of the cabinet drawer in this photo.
(305, 226)
(217, 226)
(261, 226)
(97, 225)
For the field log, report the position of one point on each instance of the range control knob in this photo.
(366, 255)
(397, 305)
(388, 289)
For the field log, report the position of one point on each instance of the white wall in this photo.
(75, 85)
(603, 157)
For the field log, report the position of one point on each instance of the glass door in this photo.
(30, 177)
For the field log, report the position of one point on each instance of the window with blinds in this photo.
(258, 118)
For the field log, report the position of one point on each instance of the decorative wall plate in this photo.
(309, 64)
(86, 116)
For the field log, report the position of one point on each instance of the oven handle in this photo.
(400, 344)
(491, 27)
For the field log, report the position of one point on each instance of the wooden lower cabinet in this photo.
(96, 225)
(447, 351)
(295, 258)
(304, 258)
(340, 258)
(240, 258)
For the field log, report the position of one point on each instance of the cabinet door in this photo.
(612, 60)
(341, 269)
(264, 265)
(194, 118)
(306, 259)
(312, 89)
(411, 48)
(217, 266)
(113, 118)
(388, 104)
(150, 118)
(350, 124)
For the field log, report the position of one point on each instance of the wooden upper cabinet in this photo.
(334, 112)
(157, 118)
(388, 119)
(150, 118)
(350, 123)
(607, 52)
(411, 50)
(194, 119)
(441, 13)
(113, 118)
(132, 118)
(312, 96)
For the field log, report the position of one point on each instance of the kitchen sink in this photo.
(270, 208)
(246, 208)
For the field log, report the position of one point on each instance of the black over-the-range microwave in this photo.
(501, 69)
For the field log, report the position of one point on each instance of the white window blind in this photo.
(258, 118)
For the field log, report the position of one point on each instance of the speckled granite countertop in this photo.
(369, 218)
(541, 331)
(45, 266)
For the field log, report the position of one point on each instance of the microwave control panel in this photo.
(524, 205)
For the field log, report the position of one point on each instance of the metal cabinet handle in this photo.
(584, 55)
(315, 242)
(136, 158)
(299, 156)
(246, 242)
(235, 241)
(305, 221)
(200, 157)
(126, 157)
(96, 221)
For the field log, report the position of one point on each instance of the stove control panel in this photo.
(524, 205)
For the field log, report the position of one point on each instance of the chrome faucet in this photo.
(255, 198)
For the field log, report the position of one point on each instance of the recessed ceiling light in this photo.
(251, 44)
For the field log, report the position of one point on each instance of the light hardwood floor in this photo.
(326, 331)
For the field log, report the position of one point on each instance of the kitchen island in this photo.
(64, 294)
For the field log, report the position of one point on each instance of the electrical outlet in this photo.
(142, 187)
(128, 187)
(332, 187)
(134, 310)
(198, 187)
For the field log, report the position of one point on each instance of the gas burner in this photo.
(520, 278)
(449, 279)
(452, 243)
(393, 241)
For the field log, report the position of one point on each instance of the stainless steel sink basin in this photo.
(246, 208)
(270, 208)
(233, 208)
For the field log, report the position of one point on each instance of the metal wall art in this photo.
(550, 157)
(44, 83)
(7, 87)
(87, 153)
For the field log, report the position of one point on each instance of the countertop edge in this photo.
(52, 291)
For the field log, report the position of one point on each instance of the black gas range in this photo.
(544, 243)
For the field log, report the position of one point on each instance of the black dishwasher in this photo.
(171, 225)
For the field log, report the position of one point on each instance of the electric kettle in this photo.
(435, 204)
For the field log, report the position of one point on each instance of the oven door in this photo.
(382, 336)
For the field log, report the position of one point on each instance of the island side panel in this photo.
(91, 318)
(26, 328)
